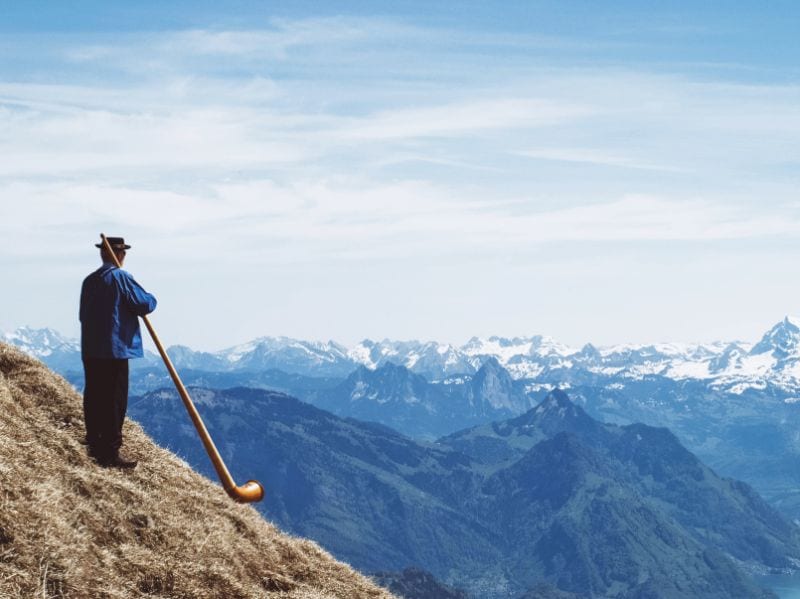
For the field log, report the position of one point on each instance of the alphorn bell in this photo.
(250, 491)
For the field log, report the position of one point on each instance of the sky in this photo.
(615, 172)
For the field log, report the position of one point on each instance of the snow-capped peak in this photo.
(782, 340)
(792, 320)
(40, 342)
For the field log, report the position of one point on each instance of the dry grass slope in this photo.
(71, 529)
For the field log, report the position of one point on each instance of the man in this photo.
(111, 303)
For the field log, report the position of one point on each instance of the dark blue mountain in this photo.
(750, 436)
(362, 490)
(496, 443)
(571, 506)
(654, 462)
(593, 533)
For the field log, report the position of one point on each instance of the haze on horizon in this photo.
(605, 174)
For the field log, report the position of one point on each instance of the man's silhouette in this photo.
(111, 303)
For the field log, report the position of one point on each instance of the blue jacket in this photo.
(111, 303)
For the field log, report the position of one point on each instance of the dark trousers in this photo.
(105, 402)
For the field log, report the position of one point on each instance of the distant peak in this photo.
(792, 321)
(37, 331)
(781, 340)
(180, 347)
(493, 370)
(558, 398)
(491, 363)
(558, 405)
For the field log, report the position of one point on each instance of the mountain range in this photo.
(742, 421)
(549, 503)
(397, 397)
(773, 362)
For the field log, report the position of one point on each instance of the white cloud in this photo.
(349, 218)
(336, 95)
(341, 144)
(646, 218)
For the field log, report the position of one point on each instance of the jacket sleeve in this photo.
(134, 296)
(82, 305)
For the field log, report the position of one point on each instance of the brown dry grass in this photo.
(71, 529)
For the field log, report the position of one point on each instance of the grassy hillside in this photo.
(71, 529)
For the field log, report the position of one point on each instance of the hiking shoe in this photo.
(117, 462)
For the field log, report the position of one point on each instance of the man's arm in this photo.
(136, 298)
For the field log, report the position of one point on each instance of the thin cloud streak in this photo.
(591, 156)
(187, 113)
(171, 132)
(342, 218)
(279, 39)
(463, 117)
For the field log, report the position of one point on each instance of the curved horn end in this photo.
(249, 492)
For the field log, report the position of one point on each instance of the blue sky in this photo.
(605, 172)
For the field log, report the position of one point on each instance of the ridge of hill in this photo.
(70, 529)
(415, 583)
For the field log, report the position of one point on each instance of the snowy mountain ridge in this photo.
(736, 366)
(40, 342)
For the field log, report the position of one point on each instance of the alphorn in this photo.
(250, 491)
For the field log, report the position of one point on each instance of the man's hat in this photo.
(117, 243)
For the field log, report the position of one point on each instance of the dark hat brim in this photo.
(115, 247)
